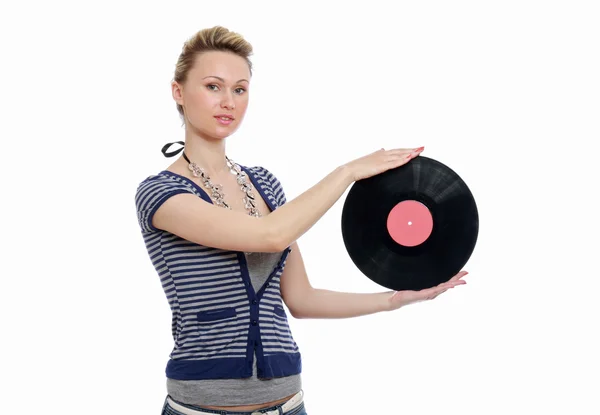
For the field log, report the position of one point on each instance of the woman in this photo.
(222, 239)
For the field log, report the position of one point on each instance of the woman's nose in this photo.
(228, 102)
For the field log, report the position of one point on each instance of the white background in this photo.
(505, 93)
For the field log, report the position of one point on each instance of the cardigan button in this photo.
(254, 322)
(254, 301)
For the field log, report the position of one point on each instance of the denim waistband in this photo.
(291, 406)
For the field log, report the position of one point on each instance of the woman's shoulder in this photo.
(267, 178)
(164, 177)
(162, 181)
(263, 173)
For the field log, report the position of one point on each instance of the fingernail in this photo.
(420, 148)
(409, 156)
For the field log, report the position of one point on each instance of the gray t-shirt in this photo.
(230, 392)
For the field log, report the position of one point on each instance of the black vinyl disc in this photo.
(412, 227)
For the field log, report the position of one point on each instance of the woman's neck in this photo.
(207, 154)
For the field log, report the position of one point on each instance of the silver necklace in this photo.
(216, 190)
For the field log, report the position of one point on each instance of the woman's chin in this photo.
(223, 133)
(215, 135)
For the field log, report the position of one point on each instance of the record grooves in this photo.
(412, 227)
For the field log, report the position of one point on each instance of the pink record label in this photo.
(410, 223)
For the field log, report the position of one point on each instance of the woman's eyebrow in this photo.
(222, 80)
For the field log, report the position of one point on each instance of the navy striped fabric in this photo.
(218, 320)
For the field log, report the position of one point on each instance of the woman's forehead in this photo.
(225, 66)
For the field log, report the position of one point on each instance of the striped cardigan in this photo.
(218, 320)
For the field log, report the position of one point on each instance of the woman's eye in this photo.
(214, 87)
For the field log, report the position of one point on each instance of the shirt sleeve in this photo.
(150, 195)
(276, 185)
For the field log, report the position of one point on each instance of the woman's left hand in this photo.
(401, 298)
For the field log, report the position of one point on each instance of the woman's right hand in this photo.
(381, 161)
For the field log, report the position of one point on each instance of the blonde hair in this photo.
(215, 38)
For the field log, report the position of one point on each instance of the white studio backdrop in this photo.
(504, 93)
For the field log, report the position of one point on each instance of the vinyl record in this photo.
(412, 227)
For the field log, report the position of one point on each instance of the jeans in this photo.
(299, 410)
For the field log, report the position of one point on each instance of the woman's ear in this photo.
(177, 92)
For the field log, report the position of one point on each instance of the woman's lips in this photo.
(224, 120)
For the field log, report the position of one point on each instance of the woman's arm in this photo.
(196, 220)
(304, 301)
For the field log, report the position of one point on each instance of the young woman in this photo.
(222, 237)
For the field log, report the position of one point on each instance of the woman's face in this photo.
(216, 87)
